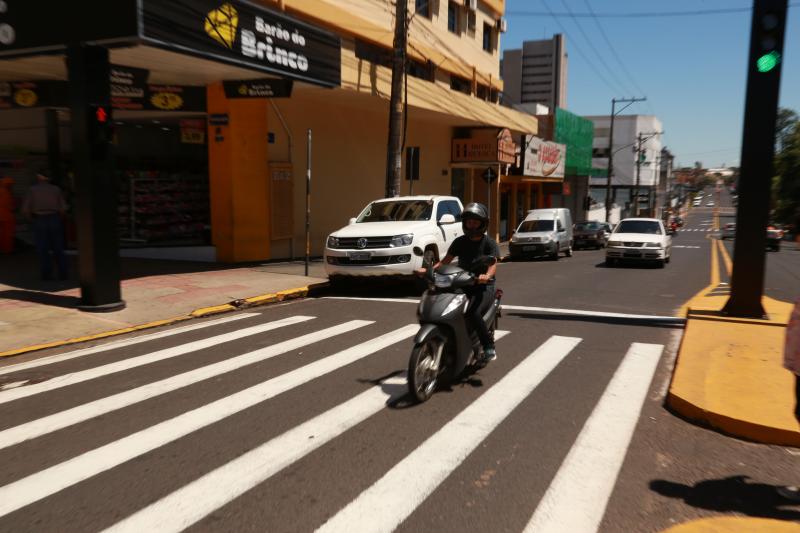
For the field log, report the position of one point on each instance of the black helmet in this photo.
(475, 211)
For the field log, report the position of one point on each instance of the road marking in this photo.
(146, 359)
(685, 246)
(120, 344)
(550, 310)
(81, 413)
(394, 497)
(191, 503)
(14, 384)
(37, 486)
(576, 499)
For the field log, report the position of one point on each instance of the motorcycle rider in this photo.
(473, 244)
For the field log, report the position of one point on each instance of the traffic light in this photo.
(100, 133)
(769, 39)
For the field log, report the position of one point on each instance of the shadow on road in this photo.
(623, 321)
(630, 264)
(731, 494)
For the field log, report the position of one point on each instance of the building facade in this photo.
(536, 73)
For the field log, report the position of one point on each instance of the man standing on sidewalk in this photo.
(791, 360)
(7, 220)
(44, 205)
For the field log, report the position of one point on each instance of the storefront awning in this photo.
(439, 100)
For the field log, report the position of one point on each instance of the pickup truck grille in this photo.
(372, 242)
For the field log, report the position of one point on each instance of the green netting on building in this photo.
(578, 134)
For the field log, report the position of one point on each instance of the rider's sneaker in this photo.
(489, 354)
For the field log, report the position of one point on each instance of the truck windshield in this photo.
(536, 225)
(405, 210)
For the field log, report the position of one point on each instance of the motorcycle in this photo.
(445, 346)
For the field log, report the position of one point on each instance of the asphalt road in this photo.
(295, 417)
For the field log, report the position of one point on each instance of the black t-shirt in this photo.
(467, 250)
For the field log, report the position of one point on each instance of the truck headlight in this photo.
(652, 245)
(402, 240)
(333, 242)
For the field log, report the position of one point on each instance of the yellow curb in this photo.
(94, 336)
(735, 524)
(289, 294)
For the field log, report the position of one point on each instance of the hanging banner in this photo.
(33, 94)
(247, 35)
(543, 159)
(267, 88)
(485, 149)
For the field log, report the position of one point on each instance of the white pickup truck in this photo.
(391, 236)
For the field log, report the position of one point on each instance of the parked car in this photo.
(382, 239)
(728, 231)
(589, 235)
(544, 232)
(639, 239)
(774, 237)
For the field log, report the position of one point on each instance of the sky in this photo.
(692, 69)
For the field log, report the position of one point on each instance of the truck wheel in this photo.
(568, 253)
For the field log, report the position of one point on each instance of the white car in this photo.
(391, 236)
(639, 239)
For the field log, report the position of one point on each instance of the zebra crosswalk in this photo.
(257, 363)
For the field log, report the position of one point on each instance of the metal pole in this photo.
(308, 201)
(610, 161)
(638, 172)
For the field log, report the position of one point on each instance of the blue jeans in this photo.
(49, 232)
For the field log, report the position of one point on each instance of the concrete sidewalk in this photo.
(729, 372)
(36, 315)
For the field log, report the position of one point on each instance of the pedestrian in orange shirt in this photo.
(7, 221)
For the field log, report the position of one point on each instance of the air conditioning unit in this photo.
(502, 25)
(471, 4)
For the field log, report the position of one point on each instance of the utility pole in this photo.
(614, 113)
(394, 146)
(758, 151)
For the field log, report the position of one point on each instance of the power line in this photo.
(580, 52)
(638, 14)
(593, 48)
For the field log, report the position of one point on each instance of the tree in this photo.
(786, 185)
(784, 126)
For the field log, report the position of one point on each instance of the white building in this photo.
(627, 129)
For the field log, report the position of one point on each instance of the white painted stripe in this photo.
(203, 496)
(576, 499)
(4, 323)
(146, 359)
(397, 300)
(388, 502)
(58, 477)
(80, 413)
(120, 344)
(14, 385)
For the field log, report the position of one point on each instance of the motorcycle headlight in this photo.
(455, 303)
(652, 245)
(442, 281)
(402, 240)
(333, 242)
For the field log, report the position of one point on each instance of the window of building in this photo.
(453, 16)
(487, 37)
(483, 92)
(373, 54)
(602, 132)
(423, 71)
(423, 7)
(460, 84)
(472, 21)
(599, 152)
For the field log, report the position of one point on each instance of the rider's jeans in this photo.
(480, 299)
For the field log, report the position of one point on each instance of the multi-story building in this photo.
(536, 73)
(627, 176)
(229, 163)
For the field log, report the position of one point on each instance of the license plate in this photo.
(529, 248)
(359, 256)
(632, 254)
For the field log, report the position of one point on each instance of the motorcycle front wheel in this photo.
(422, 376)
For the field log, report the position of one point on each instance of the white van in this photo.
(544, 232)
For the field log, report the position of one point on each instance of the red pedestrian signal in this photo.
(102, 115)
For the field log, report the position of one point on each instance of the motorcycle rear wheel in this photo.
(422, 377)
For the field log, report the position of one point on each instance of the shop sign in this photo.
(543, 159)
(267, 88)
(501, 149)
(247, 35)
(193, 131)
(30, 94)
(218, 119)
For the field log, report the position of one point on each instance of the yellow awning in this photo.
(451, 106)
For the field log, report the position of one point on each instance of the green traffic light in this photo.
(768, 61)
